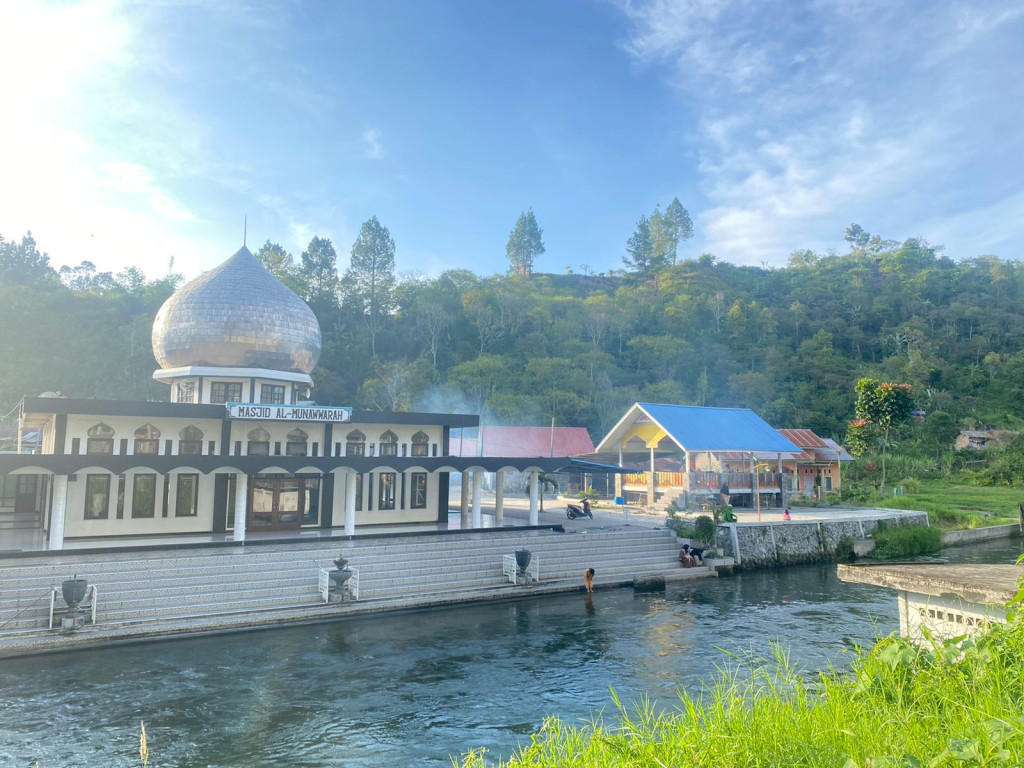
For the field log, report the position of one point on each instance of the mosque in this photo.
(240, 448)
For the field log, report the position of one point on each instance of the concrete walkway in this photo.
(516, 513)
(605, 514)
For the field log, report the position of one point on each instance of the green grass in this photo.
(900, 541)
(956, 507)
(900, 706)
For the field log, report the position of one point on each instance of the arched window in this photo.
(190, 441)
(259, 442)
(420, 444)
(100, 439)
(296, 443)
(147, 440)
(389, 444)
(355, 443)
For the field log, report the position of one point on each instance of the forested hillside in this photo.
(789, 343)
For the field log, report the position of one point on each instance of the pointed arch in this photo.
(147, 440)
(355, 443)
(389, 444)
(100, 439)
(421, 444)
(190, 441)
(259, 442)
(297, 443)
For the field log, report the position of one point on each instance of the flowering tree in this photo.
(882, 408)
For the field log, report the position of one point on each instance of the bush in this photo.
(682, 528)
(1006, 466)
(899, 541)
(844, 550)
(911, 485)
(704, 529)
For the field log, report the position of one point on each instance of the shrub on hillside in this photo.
(910, 485)
(1006, 466)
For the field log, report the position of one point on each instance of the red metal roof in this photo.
(526, 442)
(804, 438)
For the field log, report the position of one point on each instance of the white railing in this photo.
(325, 585)
(510, 569)
(88, 603)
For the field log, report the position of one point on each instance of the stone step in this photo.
(65, 567)
(26, 586)
(173, 588)
(26, 578)
(132, 587)
(222, 617)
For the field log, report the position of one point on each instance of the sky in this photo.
(138, 132)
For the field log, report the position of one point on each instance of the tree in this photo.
(939, 432)
(640, 248)
(371, 275)
(678, 225)
(881, 408)
(524, 242)
(320, 272)
(84, 278)
(281, 265)
(23, 264)
(661, 237)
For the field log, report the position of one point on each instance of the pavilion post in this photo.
(652, 483)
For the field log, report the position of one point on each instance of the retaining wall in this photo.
(956, 538)
(771, 544)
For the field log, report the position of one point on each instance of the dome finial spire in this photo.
(245, 229)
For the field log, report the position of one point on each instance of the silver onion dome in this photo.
(237, 315)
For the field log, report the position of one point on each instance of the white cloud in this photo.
(986, 229)
(372, 146)
(63, 67)
(814, 113)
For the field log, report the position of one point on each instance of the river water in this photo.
(418, 688)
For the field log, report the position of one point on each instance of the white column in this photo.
(652, 484)
(618, 475)
(58, 511)
(241, 504)
(499, 498)
(464, 500)
(478, 477)
(687, 480)
(350, 503)
(534, 496)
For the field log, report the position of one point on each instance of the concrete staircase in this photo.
(148, 594)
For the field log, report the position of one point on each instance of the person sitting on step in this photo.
(696, 555)
(685, 558)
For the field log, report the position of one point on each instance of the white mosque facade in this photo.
(239, 448)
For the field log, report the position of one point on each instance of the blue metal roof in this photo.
(718, 429)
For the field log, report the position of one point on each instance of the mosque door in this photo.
(274, 504)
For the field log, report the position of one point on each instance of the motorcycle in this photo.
(573, 512)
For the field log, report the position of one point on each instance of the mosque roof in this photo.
(237, 315)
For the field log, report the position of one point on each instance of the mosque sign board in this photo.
(263, 411)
